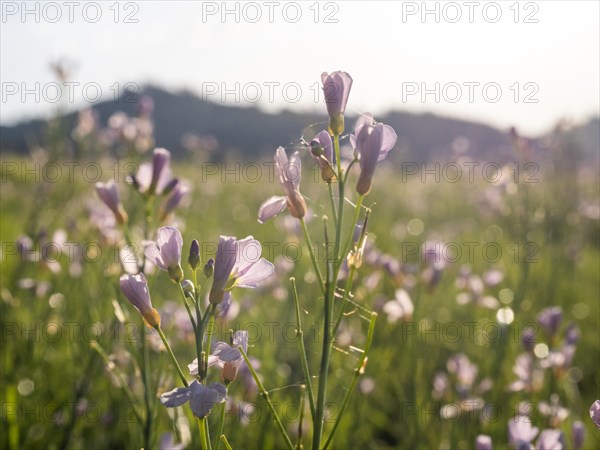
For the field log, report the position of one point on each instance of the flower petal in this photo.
(177, 396)
(388, 141)
(240, 338)
(152, 252)
(203, 398)
(271, 207)
(193, 367)
(226, 353)
(256, 274)
(170, 242)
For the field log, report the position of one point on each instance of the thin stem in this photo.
(338, 160)
(357, 209)
(332, 201)
(325, 355)
(145, 381)
(299, 445)
(209, 331)
(354, 161)
(226, 442)
(204, 443)
(187, 307)
(302, 350)
(312, 253)
(344, 298)
(340, 216)
(221, 425)
(360, 370)
(265, 395)
(147, 222)
(172, 355)
(207, 433)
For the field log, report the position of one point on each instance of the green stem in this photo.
(325, 355)
(187, 307)
(147, 222)
(332, 201)
(207, 433)
(146, 382)
(226, 442)
(340, 216)
(221, 425)
(354, 161)
(265, 395)
(312, 253)
(344, 298)
(302, 351)
(204, 443)
(172, 355)
(360, 369)
(209, 332)
(357, 209)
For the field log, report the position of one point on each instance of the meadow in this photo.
(465, 276)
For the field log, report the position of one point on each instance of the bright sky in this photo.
(504, 63)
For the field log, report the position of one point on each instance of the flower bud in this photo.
(316, 149)
(176, 273)
(194, 258)
(578, 433)
(188, 288)
(209, 268)
(336, 88)
(170, 186)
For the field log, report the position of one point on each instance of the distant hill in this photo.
(252, 133)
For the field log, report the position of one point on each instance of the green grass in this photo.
(76, 403)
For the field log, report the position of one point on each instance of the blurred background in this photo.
(496, 107)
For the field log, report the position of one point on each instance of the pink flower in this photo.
(336, 88)
(238, 264)
(165, 253)
(109, 194)
(135, 288)
(289, 173)
(372, 141)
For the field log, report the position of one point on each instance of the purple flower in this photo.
(520, 432)
(401, 307)
(109, 194)
(372, 141)
(550, 440)
(289, 173)
(194, 257)
(238, 264)
(165, 253)
(226, 356)
(572, 334)
(135, 288)
(153, 178)
(322, 152)
(224, 262)
(202, 398)
(550, 319)
(483, 442)
(595, 412)
(336, 88)
(578, 434)
(173, 201)
(464, 369)
(528, 338)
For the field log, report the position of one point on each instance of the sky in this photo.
(526, 64)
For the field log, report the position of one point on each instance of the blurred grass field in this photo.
(58, 392)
